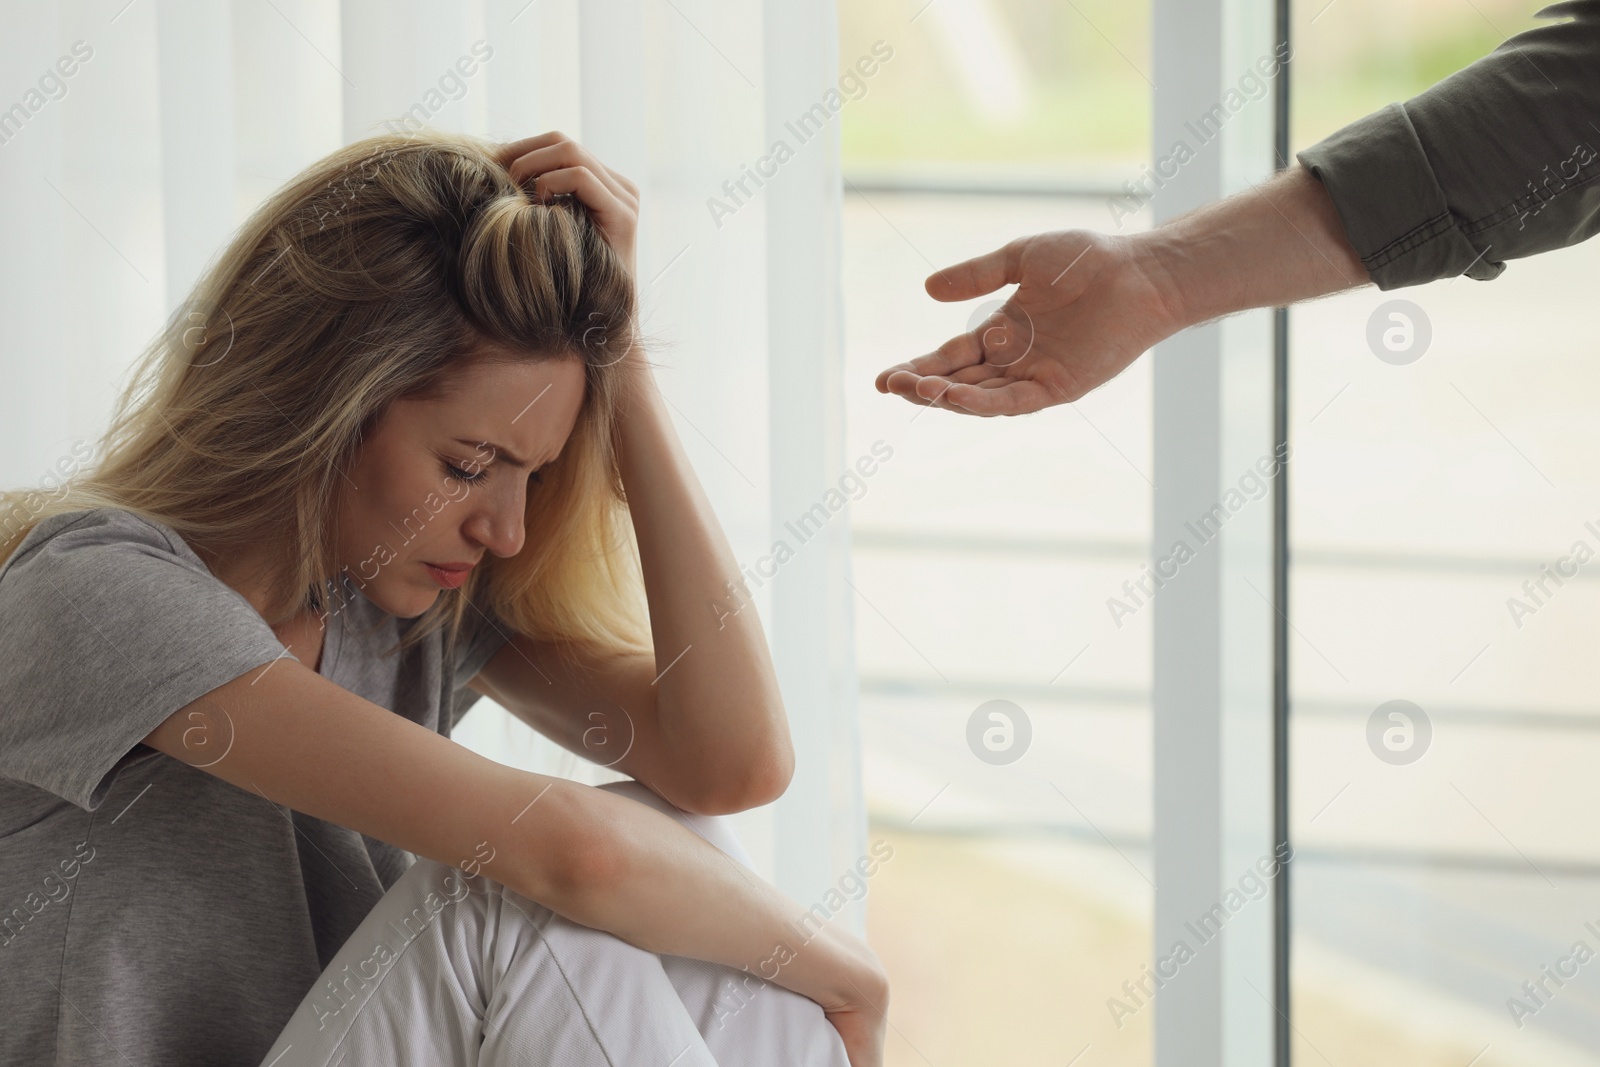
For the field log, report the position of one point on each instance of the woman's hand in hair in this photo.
(554, 164)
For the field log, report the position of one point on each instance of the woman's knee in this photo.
(717, 829)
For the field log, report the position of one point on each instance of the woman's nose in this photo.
(499, 525)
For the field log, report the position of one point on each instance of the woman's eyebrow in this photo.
(500, 451)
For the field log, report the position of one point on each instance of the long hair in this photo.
(368, 278)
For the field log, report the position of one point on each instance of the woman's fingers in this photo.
(862, 1035)
(533, 156)
(512, 149)
(595, 194)
(511, 152)
(557, 164)
(616, 218)
(566, 155)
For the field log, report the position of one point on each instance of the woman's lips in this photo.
(450, 575)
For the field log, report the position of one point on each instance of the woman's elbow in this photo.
(750, 783)
(771, 778)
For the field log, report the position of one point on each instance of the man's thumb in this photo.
(977, 276)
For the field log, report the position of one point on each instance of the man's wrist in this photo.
(1166, 262)
(1272, 245)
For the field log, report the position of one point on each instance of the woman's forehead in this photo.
(529, 406)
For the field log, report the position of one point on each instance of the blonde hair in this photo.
(367, 278)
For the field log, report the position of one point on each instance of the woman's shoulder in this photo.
(99, 527)
(105, 554)
(102, 524)
(108, 624)
(107, 590)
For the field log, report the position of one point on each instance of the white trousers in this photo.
(451, 970)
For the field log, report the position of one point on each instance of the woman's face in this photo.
(440, 482)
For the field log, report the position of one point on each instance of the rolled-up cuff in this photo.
(1394, 212)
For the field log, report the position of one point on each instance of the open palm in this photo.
(1084, 309)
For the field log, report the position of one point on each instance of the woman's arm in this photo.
(702, 721)
(602, 860)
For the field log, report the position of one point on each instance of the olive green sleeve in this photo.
(1498, 161)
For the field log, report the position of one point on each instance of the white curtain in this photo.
(121, 179)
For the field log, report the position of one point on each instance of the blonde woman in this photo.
(401, 449)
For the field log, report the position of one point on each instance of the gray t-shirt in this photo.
(154, 914)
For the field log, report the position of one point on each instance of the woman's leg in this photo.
(450, 968)
(744, 1020)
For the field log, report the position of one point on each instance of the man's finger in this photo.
(922, 391)
(963, 350)
(977, 276)
(928, 392)
(980, 372)
(882, 381)
(991, 398)
(931, 393)
(902, 382)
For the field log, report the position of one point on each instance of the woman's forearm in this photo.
(719, 711)
(614, 864)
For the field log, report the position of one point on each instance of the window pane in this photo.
(1007, 91)
(1443, 852)
(1016, 904)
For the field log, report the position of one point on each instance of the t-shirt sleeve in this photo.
(482, 635)
(108, 626)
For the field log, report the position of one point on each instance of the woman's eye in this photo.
(535, 477)
(457, 472)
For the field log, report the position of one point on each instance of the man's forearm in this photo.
(1276, 244)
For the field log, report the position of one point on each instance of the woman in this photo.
(400, 450)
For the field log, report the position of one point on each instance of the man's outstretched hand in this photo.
(1086, 305)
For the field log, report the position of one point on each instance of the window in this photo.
(1004, 710)
(1444, 721)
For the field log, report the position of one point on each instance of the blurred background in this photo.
(1422, 497)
